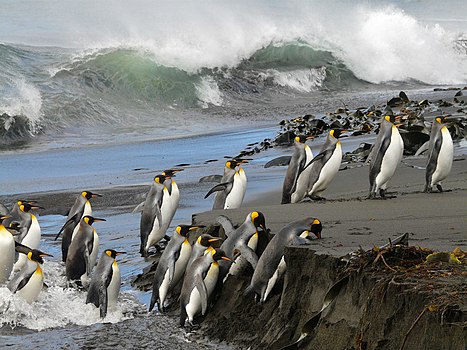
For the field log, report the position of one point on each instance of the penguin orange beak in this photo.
(226, 258)
(195, 227)
(45, 254)
(94, 195)
(215, 239)
(118, 253)
(309, 137)
(97, 219)
(36, 207)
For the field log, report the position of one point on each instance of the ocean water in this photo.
(85, 72)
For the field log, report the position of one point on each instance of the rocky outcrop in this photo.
(380, 307)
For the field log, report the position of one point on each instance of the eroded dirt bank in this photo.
(399, 302)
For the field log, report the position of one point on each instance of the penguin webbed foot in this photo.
(383, 195)
(440, 189)
(316, 198)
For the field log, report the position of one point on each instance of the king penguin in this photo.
(231, 190)
(297, 176)
(198, 285)
(29, 281)
(440, 155)
(105, 282)
(174, 195)
(32, 237)
(7, 251)
(271, 264)
(385, 157)
(202, 245)
(325, 165)
(78, 264)
(171, 266)
(152, 220)
(80, 208)
(242, 244)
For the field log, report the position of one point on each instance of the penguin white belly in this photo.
(180, 264)
(87, 209)
(31, 290)
(31, 240)
(95, 250)
(235, 197)
(194, 305)
(157, 233)
(75, 230)
(328, 171)
(241, 262)
(391, 159)
(174, 200)
(243, 179)
(303, 178)
(7, 254)
(114, 286)
(272, 281)
(211, 278)
(445, 156)
(164, 288)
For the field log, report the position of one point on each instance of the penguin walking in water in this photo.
(440, 155)
(231, 190)
(297, 176)
(80, 208)
(29, 281)
(105, 282)
(7, 251)
(243, 244)
(30, 231)
(79, 263)
(385, 157)
(154, 215)
(198, 285)
(325, 165)
(171, 266)
(271, 265)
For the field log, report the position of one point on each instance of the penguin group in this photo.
(195, 264)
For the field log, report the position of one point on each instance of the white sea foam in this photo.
(208, 92)
(23, 99)
(303, 80)
(59, 305)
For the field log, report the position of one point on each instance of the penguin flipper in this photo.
(250, 256)
(220, 187)
(423, 148)
(226, 224)
(73, 220)
(139, 207)
(23, 280)
(103, 299)
(203, 293)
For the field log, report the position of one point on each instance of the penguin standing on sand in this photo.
(325, 165)
(385, 157)
(242, 244)
(271, 264)
(105, 282)
(29, 281)
(7, 251)
(80, 208)
(156, 204)
(78, 264)
(171, 266)
(297, 176)
(231, 190)
(440, 155)
(198, 285)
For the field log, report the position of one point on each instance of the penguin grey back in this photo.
(97, 293)
(434, 147)
(321, 159)
(296, 166)
(78, 258)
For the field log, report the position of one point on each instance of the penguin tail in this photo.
(153, 302)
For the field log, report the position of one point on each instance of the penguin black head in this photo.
(441, 119)
(205, 240)
(390, 118)
(218, 254)
(159, 179)
(113, 253)
(89, 194)
(233, 163)
(171, 172)
(36, 255)
(257, 218)
(26, 207)
(336, 133)
(4, 218)
(88, 219)
(316, 228)
(302, 138)
(183, 230)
